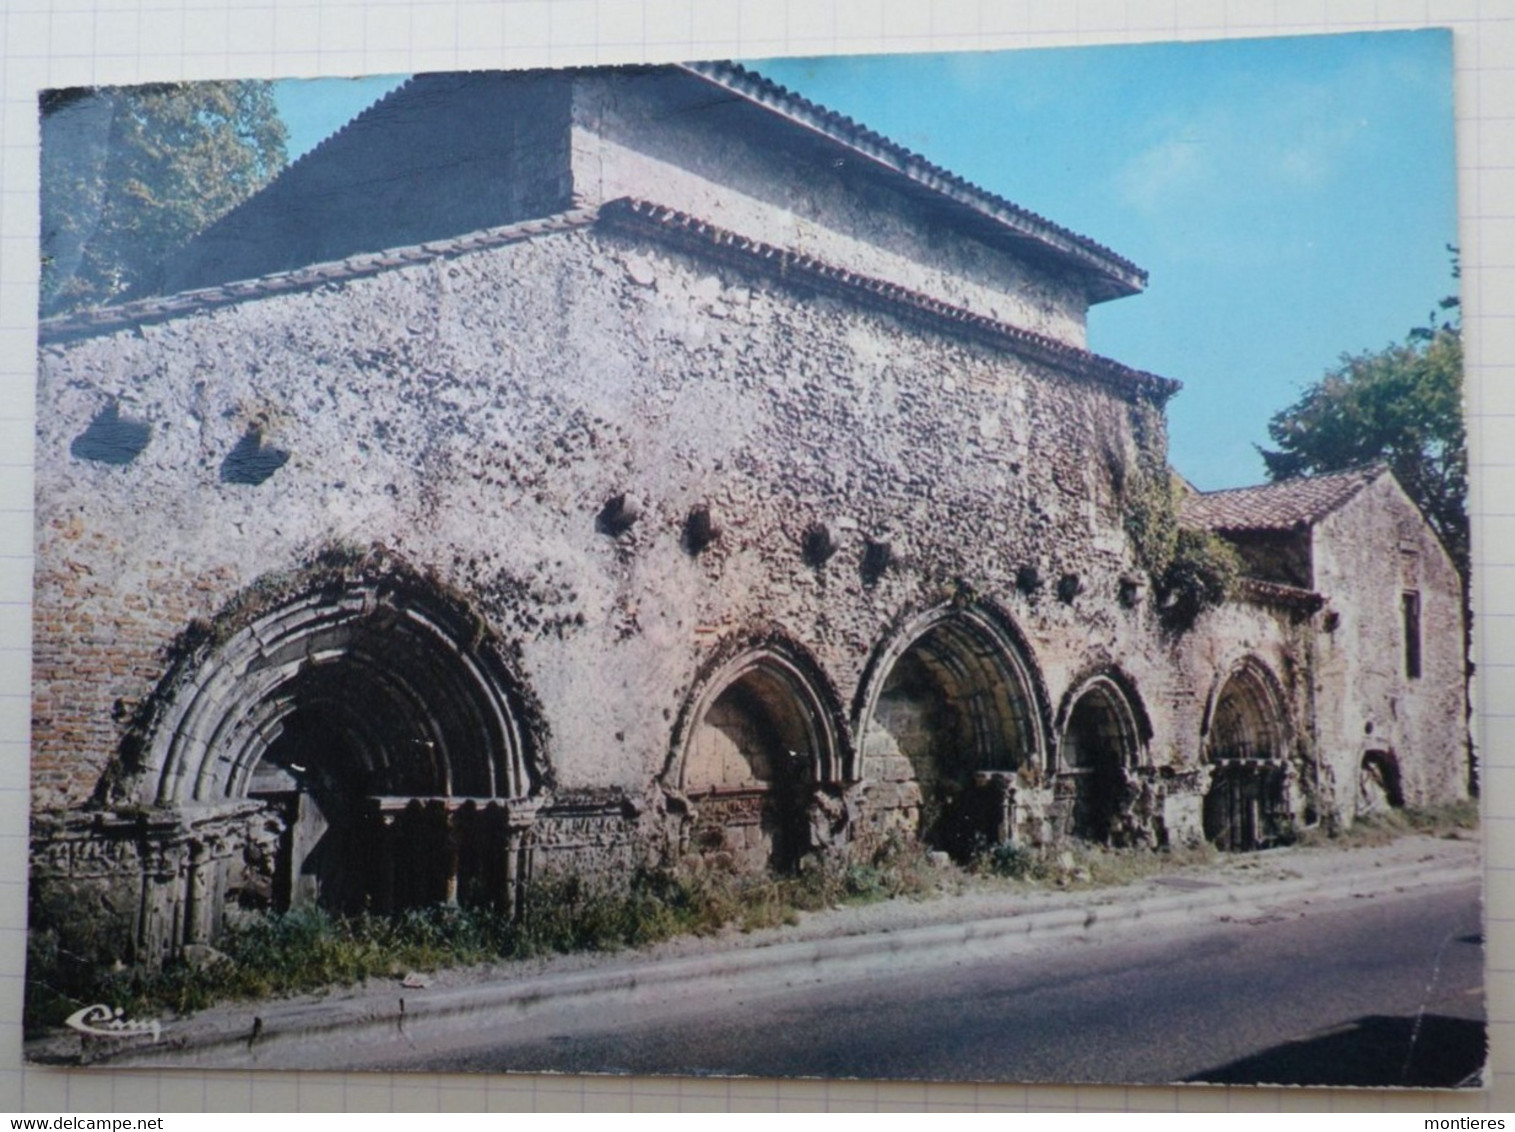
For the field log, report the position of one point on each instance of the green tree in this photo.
(131, 173)
(1401, 405)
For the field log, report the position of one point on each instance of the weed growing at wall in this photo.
(1191, 570)
(308, 949)
(1149, 507)
(1199, 576)
(1452, 820)
(1085, 866)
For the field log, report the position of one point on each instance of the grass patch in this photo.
(1451, 820)
(1085, 866)
(308, 949)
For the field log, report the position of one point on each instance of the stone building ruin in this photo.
(575, 470)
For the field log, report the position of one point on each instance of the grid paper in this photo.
(50, 43)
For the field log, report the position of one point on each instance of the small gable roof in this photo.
(1289, 505)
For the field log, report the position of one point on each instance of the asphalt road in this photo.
(1383, 991)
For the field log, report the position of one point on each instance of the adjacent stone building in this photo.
(1386, 652)
(575, 470)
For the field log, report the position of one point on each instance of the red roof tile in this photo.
(671, 225)
(1288, 505)
(1260, 592)
(699, 235)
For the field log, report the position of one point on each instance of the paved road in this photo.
(1373, 992)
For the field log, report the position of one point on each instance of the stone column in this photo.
(197, 892)
(520, 817)
(1000, 785)
(449, 839)
(382, 829)
(158, 918)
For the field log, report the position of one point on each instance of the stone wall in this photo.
(1246, 672)
(476, 415)
(607, 542)
(1369, 556)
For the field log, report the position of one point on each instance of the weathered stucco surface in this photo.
(479, 412)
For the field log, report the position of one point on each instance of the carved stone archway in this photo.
(1246, 742)
(953, 711)
(758, 741)
(358, 746)
(1101, 743)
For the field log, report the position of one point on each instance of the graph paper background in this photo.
(46, 43)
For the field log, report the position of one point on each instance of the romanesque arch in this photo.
(761, 732)
(1246, 742)
(1103, 732)
(355, 725)
(950, 703)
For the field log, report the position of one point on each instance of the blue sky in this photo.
(1292, 199)
(313, 109)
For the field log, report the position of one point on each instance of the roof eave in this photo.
(1296, 598)
(693, 234)
(672, 226)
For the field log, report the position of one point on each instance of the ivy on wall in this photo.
(1191, 570)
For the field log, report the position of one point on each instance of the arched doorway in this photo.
(955, 701)
(1246, 744)
(1100, 741)
(381, 730)
(1378, 785)
(760, 740)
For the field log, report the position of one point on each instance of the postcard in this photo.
(728, 568)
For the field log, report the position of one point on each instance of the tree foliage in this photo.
(1401, 405)
(131, 173)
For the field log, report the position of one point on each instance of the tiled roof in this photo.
(685, 232)
(1284, 506)
(1260, 592)
(1122, 276)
